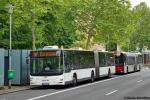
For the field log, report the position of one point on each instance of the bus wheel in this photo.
(74, 81)
(109, 73)
(92, 76)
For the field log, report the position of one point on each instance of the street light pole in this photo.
(10, 46)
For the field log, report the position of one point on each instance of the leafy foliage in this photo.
(75, 23)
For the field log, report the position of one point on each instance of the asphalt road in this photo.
(134, 86)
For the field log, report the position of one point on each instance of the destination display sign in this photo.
(43, 53)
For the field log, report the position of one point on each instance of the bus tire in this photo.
(109, 73)
(92, 76)
(74, 81)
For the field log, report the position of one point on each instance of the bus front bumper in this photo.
(42, 80)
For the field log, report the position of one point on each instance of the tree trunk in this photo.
(88, 40)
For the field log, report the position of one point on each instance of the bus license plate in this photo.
(45, 83)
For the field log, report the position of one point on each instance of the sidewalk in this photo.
(4, 89)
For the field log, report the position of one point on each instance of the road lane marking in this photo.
(139, 81)
(111, 92)
(54, 93)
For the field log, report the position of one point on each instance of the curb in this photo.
(1, 88)
(14, 91)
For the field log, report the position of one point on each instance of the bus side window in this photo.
(68, 68)
(68, 62)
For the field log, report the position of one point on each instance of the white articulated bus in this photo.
(128, 62)
(61, 66)
(104, 64)
(139, 61)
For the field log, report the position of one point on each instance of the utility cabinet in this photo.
(20, 66)
(2, 51)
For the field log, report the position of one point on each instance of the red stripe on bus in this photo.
(147, 60)
(119, 68)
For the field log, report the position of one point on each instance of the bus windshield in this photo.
(46, 66)
(119, 61)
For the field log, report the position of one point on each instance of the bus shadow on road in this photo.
(118, 74)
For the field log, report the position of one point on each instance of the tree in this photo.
(103, 19)
(74, 23)
(4, 24)
(140, 36)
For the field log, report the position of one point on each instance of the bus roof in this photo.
(69, 50)
(60, 49)
(131, 53)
